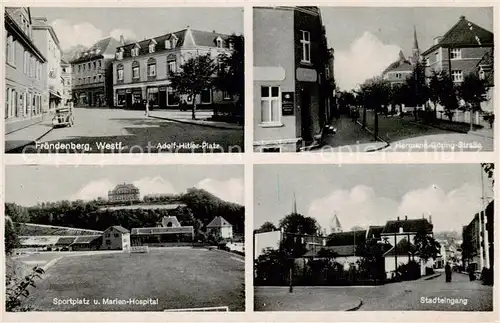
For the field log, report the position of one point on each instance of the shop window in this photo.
(152, 96)
(172, 97)
(206, 96)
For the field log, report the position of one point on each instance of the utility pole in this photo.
(485, 230)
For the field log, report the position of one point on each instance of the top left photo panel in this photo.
(124, 80)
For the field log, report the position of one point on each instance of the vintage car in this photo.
(63, 117)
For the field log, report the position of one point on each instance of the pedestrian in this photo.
(447, 270)
(470, 270)
(147, 108)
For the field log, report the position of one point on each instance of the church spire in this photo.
(294, 210)
(415, 49)
(335, 225)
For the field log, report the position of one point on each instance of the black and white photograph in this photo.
(125, 238)
(124, 80)
(365, 79)
(373, 237)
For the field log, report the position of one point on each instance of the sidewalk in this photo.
(355, 148)
(27, 136)
(185, 117)
(484, 132)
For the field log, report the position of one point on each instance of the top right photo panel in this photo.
(373, 79)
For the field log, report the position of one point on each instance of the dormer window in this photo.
(219, 42)
(135, 51)
(171, 42)
(152, 46)
(231, 45)
(119, 54)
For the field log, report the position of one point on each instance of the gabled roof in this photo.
(219, 222)
(162, 230)
(346, 238)
(100, 48)
(65, 241)
(340, 251)
(403, 248)
(119, 228)
(486, 64)
(170, 219)
(402, 64)
(374, 231)
(411, 225)
(460, 36)
(87, 239)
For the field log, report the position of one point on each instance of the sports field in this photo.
(163, 279)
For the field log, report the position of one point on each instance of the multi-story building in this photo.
(67, 78)
(24, 80)
(142, 69)
(219, 227)
(116, 238)
(124, 193)
(92, 80)
(474, 235)
(459, 51)
(399, 71)
(47, 42)
(292, 96)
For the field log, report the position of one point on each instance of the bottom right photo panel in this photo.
(373, 237)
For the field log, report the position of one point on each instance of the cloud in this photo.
(367, 57)
(93, 190)
(231, 190)
(154, 185)
(361, 206)
(83, 33)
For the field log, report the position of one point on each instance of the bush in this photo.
(429, 271)
(409, 271)
(487, 276)
(17, 286)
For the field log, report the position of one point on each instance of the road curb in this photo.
(434, 127)
(387, 144)
(355, 308)
(198, 124)
(433, 276)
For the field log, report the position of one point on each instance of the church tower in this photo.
(335, 226)
(415, 50)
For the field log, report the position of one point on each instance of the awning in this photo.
(56, 94)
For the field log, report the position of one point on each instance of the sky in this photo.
(28, 185)
(85, 26)
(367, 39)
(365, 194)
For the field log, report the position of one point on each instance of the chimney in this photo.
(213, 31)
(406, 217)
(122, 40)
(462, 17)
(437, 39)
(430, 218)
(398, 218)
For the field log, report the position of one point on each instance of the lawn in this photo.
(178, 278)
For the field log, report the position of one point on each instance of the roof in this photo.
(374, 231)
(38, 240)
(218, 222)
(65, 241)
(131, 187)
(162, 230)
(170, 219)
(103, 46)
(340, 251)
(460, 35)
(411, 225)
(119, 228)
(402, 64)
(86, 239)
(486, 64)
(201, 38)
(346, 238)
(403, 248)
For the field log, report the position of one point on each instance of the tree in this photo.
(231, 71)
(194, 76)
(489, 169)
(418, 92)
(473, 90)
(372, 260)
(426, 247)
(11, 238)
(297, 223)
(375, 94)
(397, 96)
(443, 91)
(266, 227)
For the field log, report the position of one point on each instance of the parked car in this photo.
(63, 117)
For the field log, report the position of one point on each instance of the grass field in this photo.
(178, 278)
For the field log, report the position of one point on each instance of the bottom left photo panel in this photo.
(125, 238)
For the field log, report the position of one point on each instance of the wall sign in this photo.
(287, 103)
(163, 89)
(306, 74)
(128, 91)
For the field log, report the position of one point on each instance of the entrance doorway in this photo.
(305, 108)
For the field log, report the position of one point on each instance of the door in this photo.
(305, 108)
(129, 101)
(162, 99)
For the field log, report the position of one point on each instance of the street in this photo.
(120, 131)
(412, 295)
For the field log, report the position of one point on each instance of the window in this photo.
(455, 53)
(95, 79)
(88, 80)
(8, 93)
(135, 70)
(151, 67)
(457, 76)
(83, 67)
(306, 46)
(116, 235)
(231, 45)
(108, 242)
(11, 51)
(482, 75)
(152, 96)
(119, 72)
(99, 63)
(206, 96)
(94, 64)
(134, 51)
(26, 63)
(152, 48)
(171, 65)
(79, 68)
(79, 80)
(398, 75)
(219, 42)
(270, 98)
(119, 54)
(226, 95)
(427, 62)
(437, 56)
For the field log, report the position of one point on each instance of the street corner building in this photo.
(464, 49)
(293, 78)
(142, 70)
(92, 74)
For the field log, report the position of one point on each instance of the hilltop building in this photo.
(219, 227)
(124, 193)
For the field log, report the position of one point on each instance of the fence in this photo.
(464, 117)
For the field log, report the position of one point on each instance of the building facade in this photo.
(92, 79)
(124, 193)
(47, 42)
(142, 69)
(292, 98)
(24, 80)
(116, 238)
(219, 227)
(67, 78)
(168, 230)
